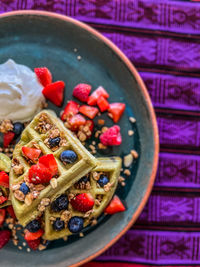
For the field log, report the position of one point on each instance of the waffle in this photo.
(37, 134)
(109, 166)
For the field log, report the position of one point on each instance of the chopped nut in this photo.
(94, 222)
(29, 199)
(110, 115)
(66, 216)
(24, 244)
(97, 133)
(132, 120)
(130, 132)
(15, 242)
(88, 213)
(19, 195)
(65, 238)
(41, 247)
(54, 133)
(35, 194)
(28, 250)
(70, 196)
(104, 129)
(39, 187)
(15, 187)
(92, 147)
(93, 143)
(6, 126)
(101, 146)
(97, 202)
(121, 179)
(81, 234)
(127, 172)
(134, 154)
(101, 122)
(123, 183)
(81, 136)
(128, 160)
(63, 142)
(45, 202)
(41, 208)
(53, 183)
(52, 218)
(79, 57)
(107, 187)
(20, 248)
(95, 176)
(18, 169)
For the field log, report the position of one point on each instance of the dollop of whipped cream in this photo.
(20, 92)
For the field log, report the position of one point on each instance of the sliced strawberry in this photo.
(4, 179)
(44, 75)
(3, 199)
(39, 174)
(111, 137)
(50, 163)
(116, 110)
(71, 109)
(34, 244)
(55, 92)
(8, 138)
(4, 237)
(102, 104)
(114, 206)
(2, 216)
(88, 111)
(100, 91)
(33, 236)
(82, 91)
(76, 121)
(10, 210)
(83, 202)
(31, 153)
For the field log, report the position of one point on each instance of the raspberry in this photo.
(111, 137)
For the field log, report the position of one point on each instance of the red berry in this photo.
(34, 244)
(8, 138)
(39, 174)
(44, 75)
(31, 153)
(102, 103)
(2, 216)
(33, 236)
(3, 199)
(4, 237)
(50, 163)
(88, 111)
(55, 92)
(116, 110)
(71, 109)
(76, 121)
(111, 137)
(10, 210)
(83, 202)
(82, 91)
(4, 179)
(114, 206)
(100, 91)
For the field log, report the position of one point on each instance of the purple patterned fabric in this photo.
(162, 39)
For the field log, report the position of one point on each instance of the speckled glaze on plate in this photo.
(35, 38)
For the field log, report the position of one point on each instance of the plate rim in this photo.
(148, 103)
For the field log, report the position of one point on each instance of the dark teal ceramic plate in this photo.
(46, 39)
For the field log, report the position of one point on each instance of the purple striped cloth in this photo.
(162, 39)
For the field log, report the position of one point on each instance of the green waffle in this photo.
(110, 166)
(5, 164)
(68, 174)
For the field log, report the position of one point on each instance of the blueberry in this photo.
(103, 180)
(84, 179)
(53, 142)
(18, 127)
(33, 226)
(75, 224)
(68, 156)
(58, 224)
(60, 203)
(24, 188)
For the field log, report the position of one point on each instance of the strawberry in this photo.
(50, 163)
(116, 110)
(44, 75)
(3, 199)
(10, 210)
(4, 237)
(33, 236)
(34, 244)
(114, 206)
(88, 111)
(4, 179)
(2, 216)
(31, 153)
(111, 137)
(76, 121)
(55, 92)
(70, 109)
(82, 91)
(83, 202)
(39, 174)
(100, 91)
(102, 103)
(8, 138)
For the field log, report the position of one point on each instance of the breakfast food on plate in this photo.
(50, 183)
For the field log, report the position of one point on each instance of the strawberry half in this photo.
(50, 163)
(111, 137)
(2, 216)
(102, 103)
(88, 111)
(39, 174)
(10, 210)
(8, 138)
(114, 206)
(4, 179)
(33, 236)
(4, 237)
(3, 199)
(34, 244)
(76, 121)
(82, 202)
(44, 75)
(116, 110)
(31, 153)
(70, 109)
(82, 91)
(55, 92)
(100, 91)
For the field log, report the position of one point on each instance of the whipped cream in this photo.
(20, 92)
